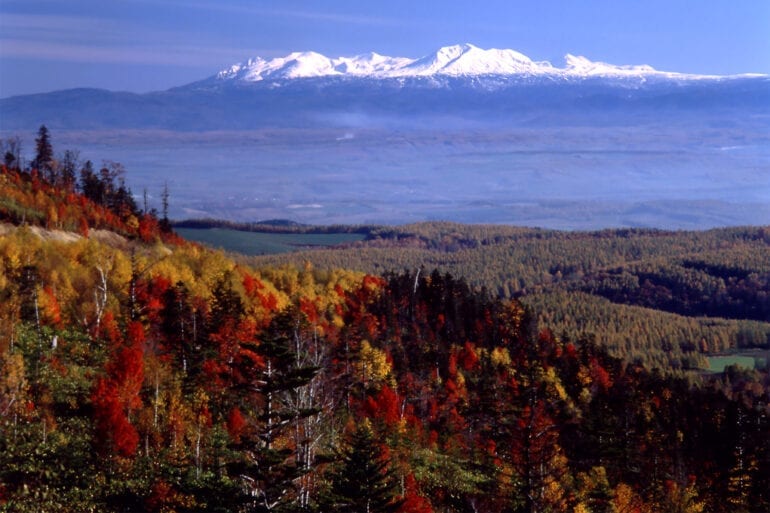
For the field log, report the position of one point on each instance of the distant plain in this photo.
(551, 177)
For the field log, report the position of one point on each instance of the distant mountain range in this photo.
(455, 87)
(458, 61)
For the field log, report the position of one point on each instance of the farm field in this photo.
(751, 361)
(257, 243)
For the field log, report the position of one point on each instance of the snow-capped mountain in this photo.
(455, 61)
(312, 64)
(454, 87)
(471, 60)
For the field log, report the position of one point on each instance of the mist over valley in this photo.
(465, 134)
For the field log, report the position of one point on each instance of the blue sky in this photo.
(144, 45)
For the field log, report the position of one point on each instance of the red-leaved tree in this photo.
(116, 395)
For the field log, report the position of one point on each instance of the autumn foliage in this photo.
(168, 377)
(116, 395)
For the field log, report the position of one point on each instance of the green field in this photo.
(258, 243)
(719, 363)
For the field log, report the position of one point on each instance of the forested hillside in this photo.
(664, 299)
(59, 192)
(141, 372)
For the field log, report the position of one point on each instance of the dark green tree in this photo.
(11, 149)
(68, 164)
(180, 327)
(165, 223)
(270, 384)
(363, 481)
(44, 153)
(90, 185)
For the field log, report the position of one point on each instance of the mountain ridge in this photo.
(455, 60)
(461, 82)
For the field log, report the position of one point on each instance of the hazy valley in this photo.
(564, 178)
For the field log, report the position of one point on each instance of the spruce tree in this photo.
(69, 164)
(44, 154)
(90, 185)
(270, 467)
(363, 481)
(165, 223)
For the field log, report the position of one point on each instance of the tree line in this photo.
(45, 193)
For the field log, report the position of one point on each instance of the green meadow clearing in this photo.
(719, 363)
(259, 243)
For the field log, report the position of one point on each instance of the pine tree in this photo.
(69, 163)
(181, 330)
(165, 223)
(44, 153)
(363, 482)
(90, 185)
(269, 467)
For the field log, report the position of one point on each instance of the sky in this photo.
(150, 45)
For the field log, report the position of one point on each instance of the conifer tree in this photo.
(363, 482)
(180, 328)
(165, 223)
(90, 185)
(269, 466)
(69, 163)
(44, 152)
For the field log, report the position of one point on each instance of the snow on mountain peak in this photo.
(369, 64)
(468, 59)
(294, 65)
(580, 65)
(456, 60)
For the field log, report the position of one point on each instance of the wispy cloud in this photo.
(72, 38)
(35, 26)
(224, 7)
(179, 55)
(97, 40)
(333, 17)
(102, 36)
